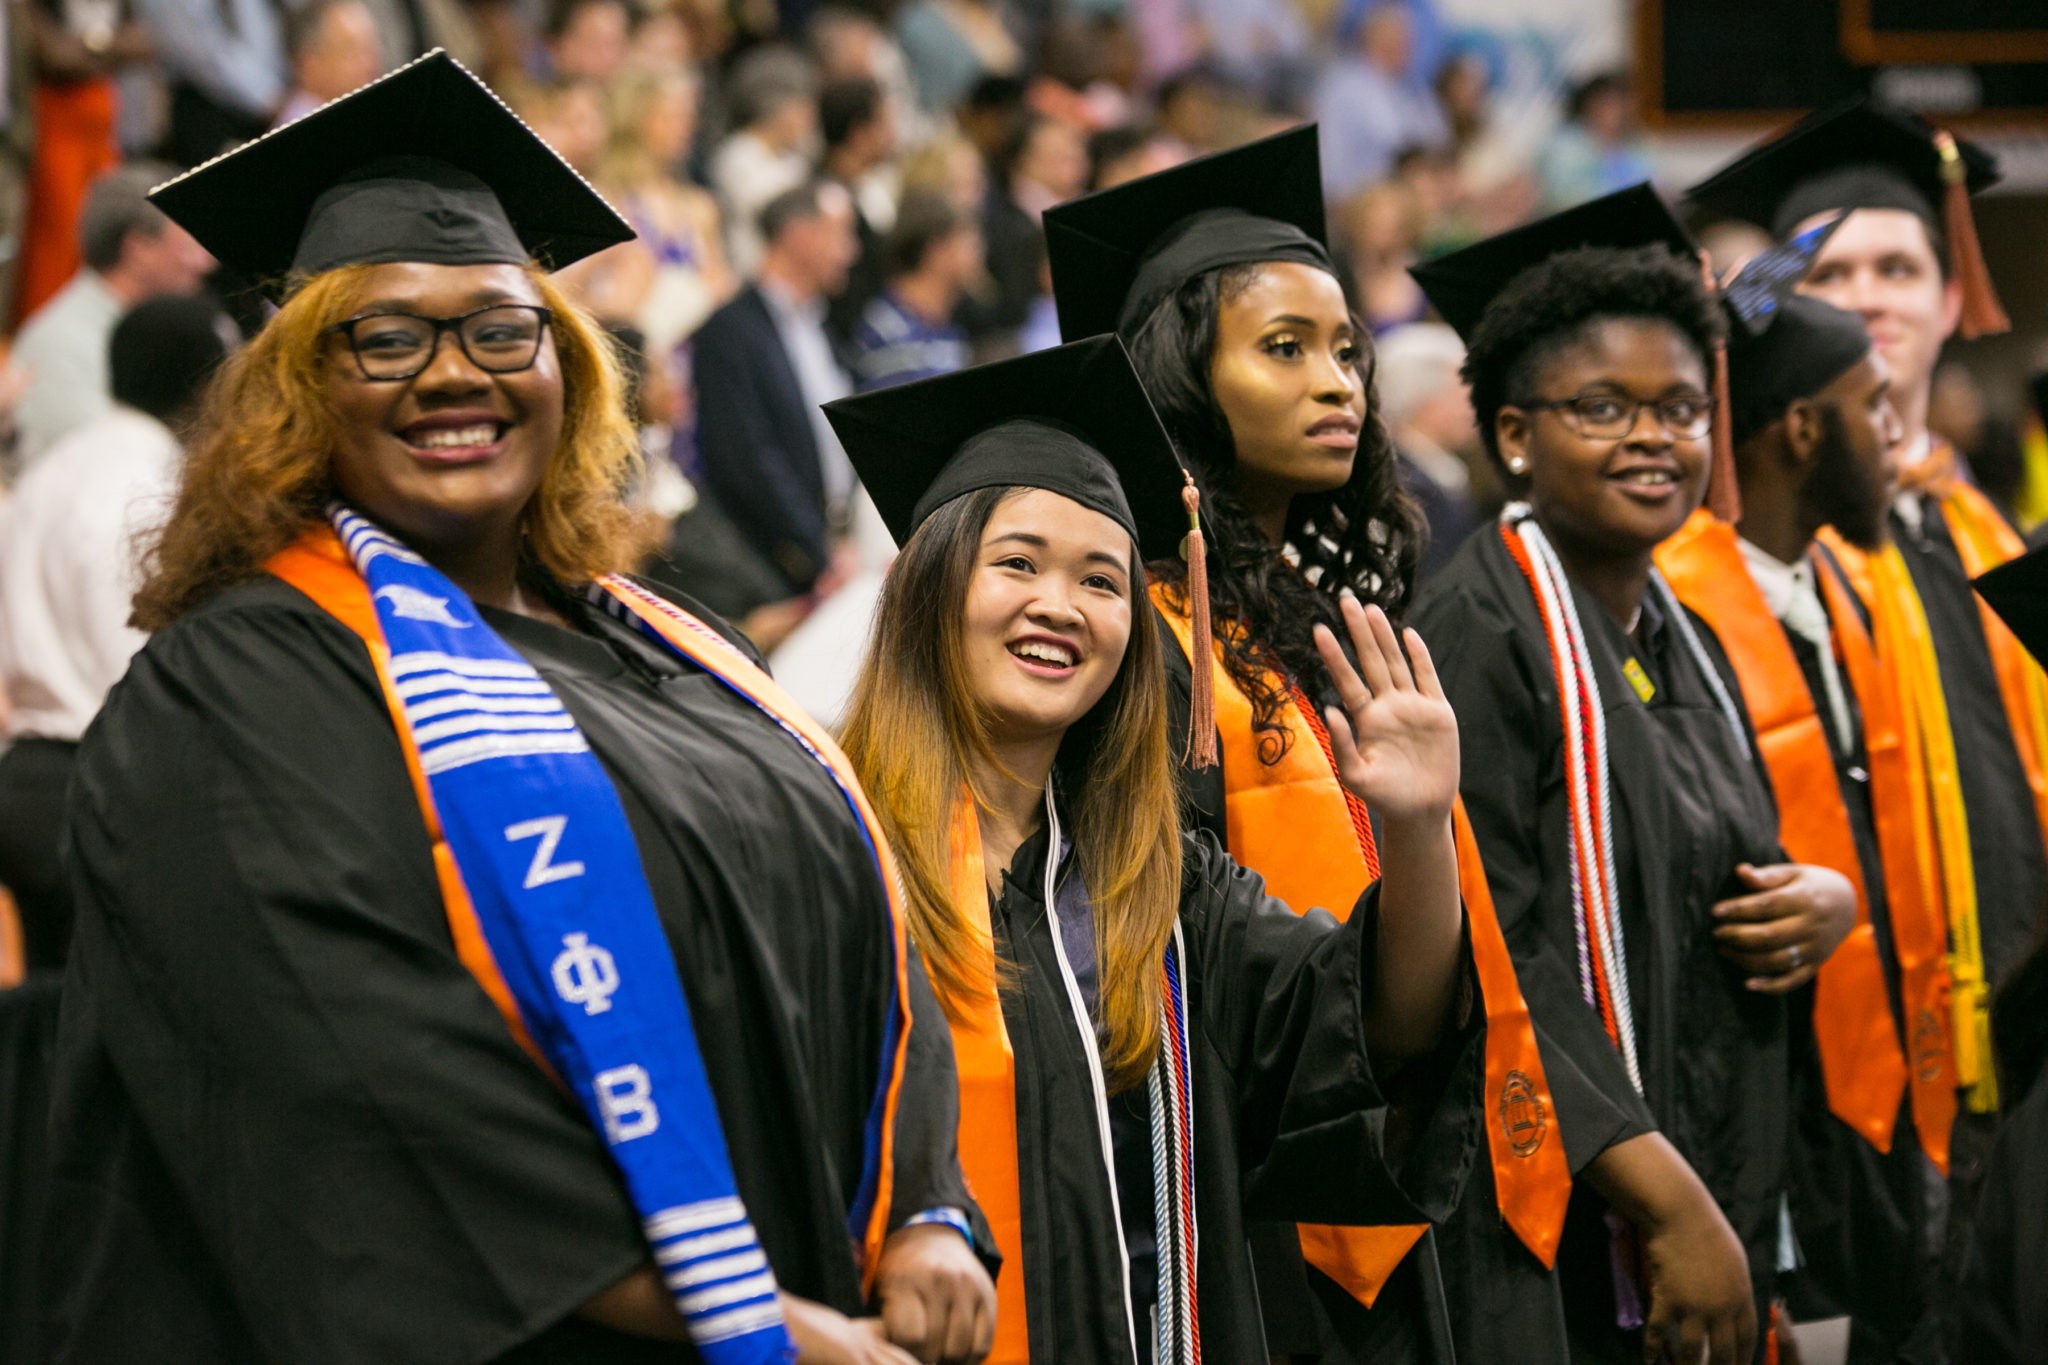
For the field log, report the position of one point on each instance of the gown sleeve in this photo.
(1494, 687)
(273, 989)
(1282, 997)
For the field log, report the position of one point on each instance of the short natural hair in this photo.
(922, 222)
(802, 201)
(257, 474)
(116, 205)
(1552, 305)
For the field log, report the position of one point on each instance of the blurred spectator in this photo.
(929, 259)
(67, 571)
(764, 365)
(948, 165)
(1598, 150)
(1046, 163)
(1369, 105)
(1428, 412)
(224, 62)
(859, 130)
(587, 39)
(132, 253)
(993, 111)
(1190, 111)
(773, 97)
(1990, 446)
(662, 41)
(1379, 230)
(653, 120)
(1264, 45)
(951, 44)
(1074, 82)
(66, 129)
(1118, 155)
(334, 48)
(847, 45)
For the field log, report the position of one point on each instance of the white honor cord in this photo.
(1078, 1008)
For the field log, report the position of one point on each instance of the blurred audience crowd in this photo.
(830, 197)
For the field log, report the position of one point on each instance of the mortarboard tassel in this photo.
(1202, 688)
(1983, 314)
(1724, 493)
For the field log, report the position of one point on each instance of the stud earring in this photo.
(1518, 466)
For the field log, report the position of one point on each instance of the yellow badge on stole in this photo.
(1639, 680)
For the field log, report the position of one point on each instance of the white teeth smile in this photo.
(450, 438)
(1056, 655)
(1650, 478)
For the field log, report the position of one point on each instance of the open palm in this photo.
(1395, 739)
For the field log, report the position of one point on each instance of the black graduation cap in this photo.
(1864, 155)
(1074, 420)
(2018, 592)
(1857, 155)
(1464, 282)
(1117, 252)
(425, 164)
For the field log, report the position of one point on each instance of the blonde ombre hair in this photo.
(257, 469)
(915, 735)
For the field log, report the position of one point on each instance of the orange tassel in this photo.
(1983, 314)
(1201, 752)
(1724, 492)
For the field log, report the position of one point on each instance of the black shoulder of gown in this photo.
(290, 1124)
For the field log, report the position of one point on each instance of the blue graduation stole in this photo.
(550, 909)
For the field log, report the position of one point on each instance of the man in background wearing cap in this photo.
(132, 253)
(1905, 257)
(1814, 431)
(67, 570)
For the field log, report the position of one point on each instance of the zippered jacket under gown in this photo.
(293, 1128)
(1289, 1123)
(1688, 805)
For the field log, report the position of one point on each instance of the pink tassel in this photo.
(1201, 752)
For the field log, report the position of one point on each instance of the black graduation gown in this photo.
(1867, 1221)
(291, 1127)
(1308, 1315)
(1688, 805)
(1290, 1122)
(2005, 834)
(2004, 1311)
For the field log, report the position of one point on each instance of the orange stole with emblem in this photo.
(1291, 821)
(1902, 804)
(1861, 1061)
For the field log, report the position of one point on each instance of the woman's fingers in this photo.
(1389, 644)
(1783, 985)
(1351, 689)
(1365, 640)
(1344, 748)
(1426, 680)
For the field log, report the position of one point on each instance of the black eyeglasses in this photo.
(1611, 416)
(501, 339)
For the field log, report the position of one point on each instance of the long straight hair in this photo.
(916, 736)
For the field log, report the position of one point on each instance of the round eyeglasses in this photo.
(501, 339)
(1611, 416)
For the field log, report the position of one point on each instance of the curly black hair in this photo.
(1550, 306)
(1365, 535)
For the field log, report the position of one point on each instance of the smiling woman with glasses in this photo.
(1612, 779)
(479, 958)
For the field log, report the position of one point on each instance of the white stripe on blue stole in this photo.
(554, 875)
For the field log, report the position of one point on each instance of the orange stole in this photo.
(319, 566)
(1861, 1060)
(1290, 821)
(1905, 840)
(1983, 542)
(988, 1091)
